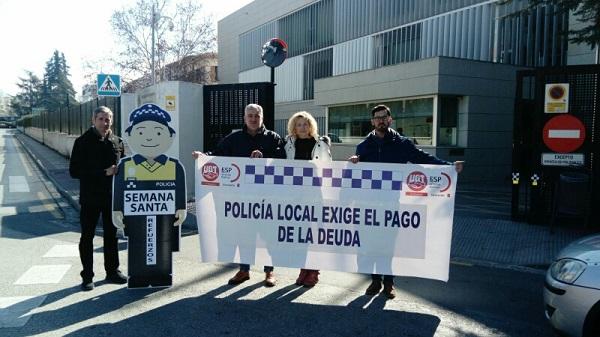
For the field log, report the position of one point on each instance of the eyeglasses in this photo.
(381, 118)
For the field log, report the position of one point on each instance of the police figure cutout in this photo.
(149, 198)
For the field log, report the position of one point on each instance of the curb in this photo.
(59, 188)
(490, 264)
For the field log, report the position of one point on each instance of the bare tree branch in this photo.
(181, 30)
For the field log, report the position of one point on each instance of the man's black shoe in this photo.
(373, 288)
(87, 286)
(116, 277)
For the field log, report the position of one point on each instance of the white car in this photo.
(572, 289)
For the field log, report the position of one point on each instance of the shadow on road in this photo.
(273, 315)
(221, 312)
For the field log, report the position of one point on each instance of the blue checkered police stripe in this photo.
(328, 177)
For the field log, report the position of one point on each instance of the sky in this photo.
(33, 29)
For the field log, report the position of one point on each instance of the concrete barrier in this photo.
(35, 133)
(58, 141)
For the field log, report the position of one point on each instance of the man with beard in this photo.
(385, 145)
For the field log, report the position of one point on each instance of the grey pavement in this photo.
(483, 233)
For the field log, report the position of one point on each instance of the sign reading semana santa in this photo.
(563, 134)
(367, 217)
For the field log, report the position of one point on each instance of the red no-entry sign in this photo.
(564, 134)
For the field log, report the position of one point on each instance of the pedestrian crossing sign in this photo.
(109, 85)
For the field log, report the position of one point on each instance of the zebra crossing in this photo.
(15, 311)
(32, 265)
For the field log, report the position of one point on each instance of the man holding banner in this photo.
(384, 145)
(253, 141)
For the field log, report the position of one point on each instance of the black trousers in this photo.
(150, 250)
(386, 278)
(88, 218)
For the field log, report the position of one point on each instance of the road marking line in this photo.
(44, 274)
(63, 251)
(16, 311)
(8, 211)
(49, 206)
(24, 161)
(17, 184)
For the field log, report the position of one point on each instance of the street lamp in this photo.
(153, 28)
(155, 18)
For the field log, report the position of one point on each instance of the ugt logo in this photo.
(416, 181)
(210, 171)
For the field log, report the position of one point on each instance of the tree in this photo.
(180, 31)
(29, 96)
(57, 89)
(587, 11)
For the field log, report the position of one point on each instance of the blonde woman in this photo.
(304, 143)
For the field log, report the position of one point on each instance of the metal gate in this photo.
(224, 108)
(541, 158)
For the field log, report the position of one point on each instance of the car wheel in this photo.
(591, 327)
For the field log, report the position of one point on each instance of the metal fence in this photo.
(224, 108)
(75, 119)
(540, 165)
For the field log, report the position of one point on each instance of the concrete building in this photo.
(201, 69)
(447, 68)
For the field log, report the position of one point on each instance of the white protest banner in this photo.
(366, 217)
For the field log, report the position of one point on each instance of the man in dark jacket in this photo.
(384, 145)
(255, 141)
(93, 161)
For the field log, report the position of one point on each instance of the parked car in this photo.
(572, 289)
(7, 124)
(334, 138)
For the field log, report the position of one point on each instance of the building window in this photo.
(316, 65)
(532, 37)
(412, 117)
(308, 29)
(448, 121)
(398, 46)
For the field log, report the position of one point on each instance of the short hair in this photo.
(254, 107)
(312, 124)
(102, 109)
(381, 107)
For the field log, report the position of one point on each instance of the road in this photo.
(39, 287)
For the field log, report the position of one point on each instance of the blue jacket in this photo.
(393, 148)
(241, 144)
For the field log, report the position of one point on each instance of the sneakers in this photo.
(116, 277)
(389, 291)
(270, 279)
(374, 288)
(239, 278)
(300, 279)
(311, 278)
(87, 285)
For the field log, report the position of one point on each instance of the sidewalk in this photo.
(483, 233)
